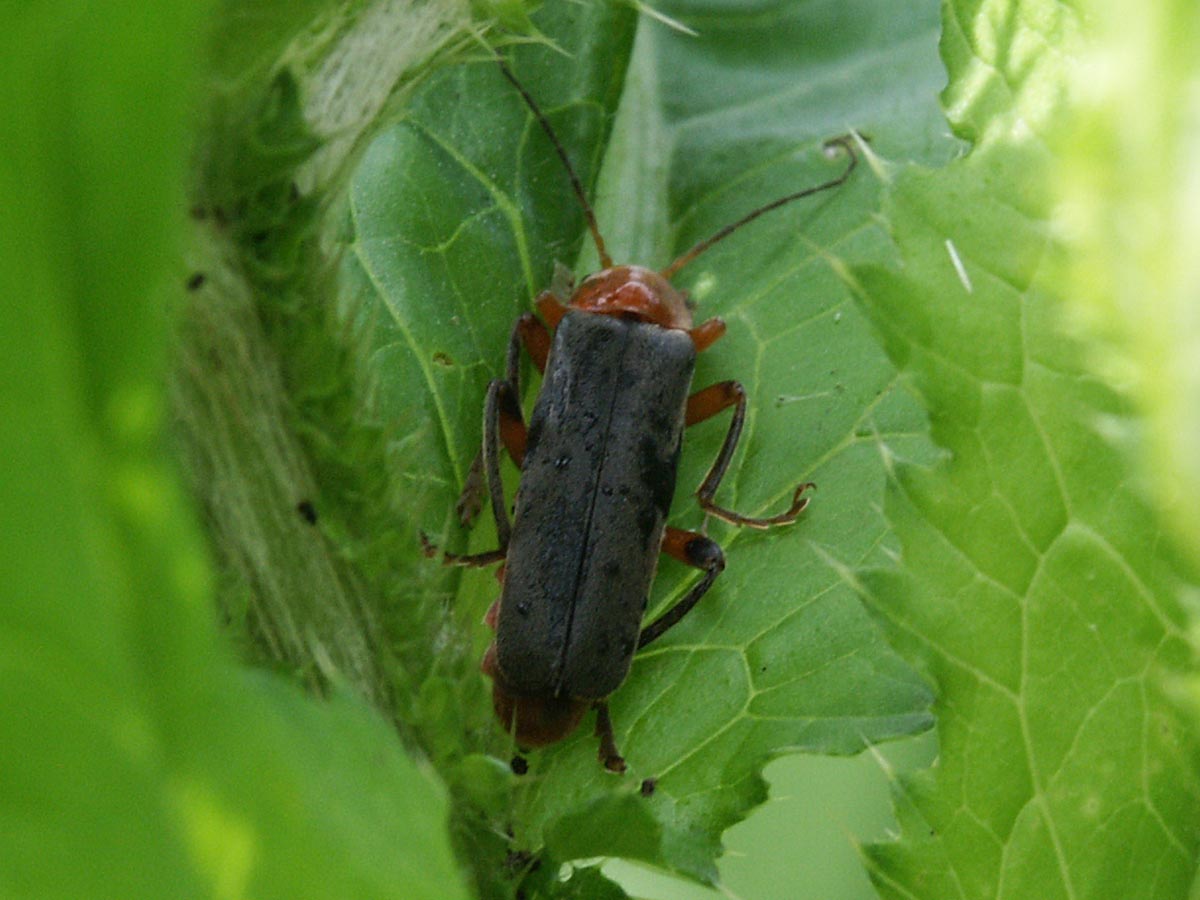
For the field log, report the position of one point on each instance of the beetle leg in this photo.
(694, 550)
(706, 334)
(501, 422)
(704, 405)
(551, 308)
(609, 754)
(528, 331)
(458, 559)
(470, 499)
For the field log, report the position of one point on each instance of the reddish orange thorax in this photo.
(634, 291)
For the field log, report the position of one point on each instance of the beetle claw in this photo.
(614, 763)
(608, 754)
(427, 546)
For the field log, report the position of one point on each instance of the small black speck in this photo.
(648, 787)
(518, 862)
(523, 607)
(519, 765)
(307, 511)
(196, 281)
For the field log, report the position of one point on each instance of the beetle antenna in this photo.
(605, 259)
(844, 142)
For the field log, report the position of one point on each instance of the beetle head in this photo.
(633, 291)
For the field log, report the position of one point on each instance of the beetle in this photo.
(598, 465)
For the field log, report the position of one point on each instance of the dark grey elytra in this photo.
(585, 542)
(598, 467)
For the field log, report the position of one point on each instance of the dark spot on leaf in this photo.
(519, 765)
(520, 860)
(648, 787)
(307, 511)
(196, 281)
(443, 359)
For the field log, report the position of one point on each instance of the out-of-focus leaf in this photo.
(138, 759)
(1128, 158)
(1037, 590)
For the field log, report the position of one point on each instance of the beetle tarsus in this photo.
(799, 501)
(608, 753)
(431, 550)
(707, 403)
(470, 500)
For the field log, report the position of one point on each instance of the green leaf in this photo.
(1130, 204)
(459, 212)
(139, 760)
(1038, 589)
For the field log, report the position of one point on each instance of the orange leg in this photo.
(530, 333)
(704, 405)
(692, 549)
(707, 333)
(550, 307)
(535, 337)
